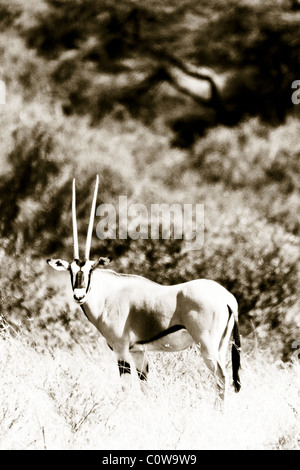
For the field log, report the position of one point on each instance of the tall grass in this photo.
(71, 399)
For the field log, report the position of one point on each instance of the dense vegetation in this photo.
(91, 90)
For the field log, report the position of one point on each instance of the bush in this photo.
(42, 159)
(8, 14)
(250, 156)
(23, 186)
(38, 307)
(262, 161)
(259, 41)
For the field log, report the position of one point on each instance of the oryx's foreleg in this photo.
(125, 374)
(124, 364)
(124, 367)
(141, 364)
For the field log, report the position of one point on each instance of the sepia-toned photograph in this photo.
(150, 227)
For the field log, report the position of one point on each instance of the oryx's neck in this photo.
(100, 290)
(104, 284)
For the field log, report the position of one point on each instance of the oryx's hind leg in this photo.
(213, 363)
(210, 353)
(224, 343)
(214, 344)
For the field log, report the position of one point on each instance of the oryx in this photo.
(136, 315)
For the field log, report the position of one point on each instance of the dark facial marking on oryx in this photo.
(80, 272)
(79, 280)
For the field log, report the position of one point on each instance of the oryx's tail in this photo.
(235, 354)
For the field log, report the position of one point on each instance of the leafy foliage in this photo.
(101, 59)
(8, 14)
(255, 46)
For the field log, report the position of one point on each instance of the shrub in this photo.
(38, 307)
(262, 161)
(42, 159)
(8, 14)
(251, 155)
(30, 170)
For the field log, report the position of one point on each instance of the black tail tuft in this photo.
(236, 358)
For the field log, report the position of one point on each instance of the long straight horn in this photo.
(75, 233)
(90, 229)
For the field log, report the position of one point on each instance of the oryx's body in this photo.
(136, 315)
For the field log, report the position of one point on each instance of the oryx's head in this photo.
(80, 271)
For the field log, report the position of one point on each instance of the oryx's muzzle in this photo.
(79, 295)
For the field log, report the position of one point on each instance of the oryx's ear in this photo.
(58, 264)
(102, 262)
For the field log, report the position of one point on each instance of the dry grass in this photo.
(71, 399)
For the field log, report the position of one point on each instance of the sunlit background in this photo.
(168, 101)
